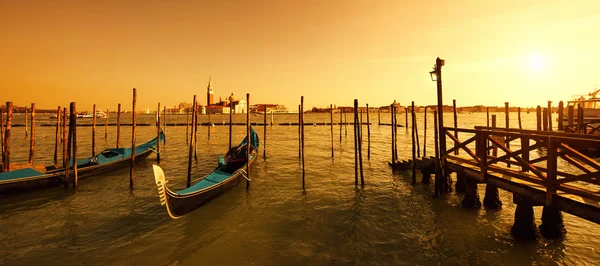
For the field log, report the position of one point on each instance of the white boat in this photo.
(279, 109)
(590, 104)
(99, 114)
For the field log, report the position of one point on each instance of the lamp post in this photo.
(436, 75)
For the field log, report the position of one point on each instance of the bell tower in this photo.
(209, 93)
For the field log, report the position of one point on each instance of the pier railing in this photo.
(481, 145)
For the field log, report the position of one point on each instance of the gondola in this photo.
(230, 171)
(107, 160)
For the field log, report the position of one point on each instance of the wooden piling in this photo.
(26, 123)
(9, 111)
(195, 130)
(106, 124)
(425, 133)
(32, 137)
(437, 182)
(57, 137)
(164, 128)
(406, 118)
(392, 135)
(133, 124)
(64, 137)
(414, 155)
(545, 119)
(94, 130)
(118, 125)
(368, 135)
(265, 134)
(2, 136)
(378, 117)
(300, 134)
(187, 127)
(158, 133)
(580, 125)
(355, 142)
(341, 122)
(416, 126)
(302, 137)
(538, 118)
(230, 122)
(455, 125)
(248, 137)
(550, 116)
(519, 117)
(331, 123)
(506, 123)
(395, 126)
(360, 160)
(570, 114)
(495, 149)
(72, 115)
(74, 145)
(191, 145)
(560, 116)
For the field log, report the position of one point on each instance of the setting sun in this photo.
(536, 63)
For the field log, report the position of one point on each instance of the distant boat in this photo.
(107, 160)
(590, 104)
(279, 109)
(229, 172)
(99, 114)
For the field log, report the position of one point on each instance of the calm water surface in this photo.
(274, 222)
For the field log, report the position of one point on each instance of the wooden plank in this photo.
(531, 167)
(464, 148)
(461, 145)
(580, 156)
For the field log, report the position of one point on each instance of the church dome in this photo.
(232, 98)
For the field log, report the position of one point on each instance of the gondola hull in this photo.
(179, 205)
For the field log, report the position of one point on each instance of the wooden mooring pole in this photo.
(9, 112)
(191, 145)
(545, 119)
(506, 118)
(302, 137)
(164, 128)
(356, 141)
(209, 126)
(265, 134)
(94, 130)
(392, 135)
(550, 116)
(118, 125)
(195, 131)
(538, 118)
(187, 127)
(570, 114)
(455, 125)
(519, 117)
(331, 123)
(341, 122)
(359, 129)
(133, 124)
(74, 145)
(26, 123)
(64, 137)
(368, 135)
(414, 156)
(158, 133)
(416, 126)
(395, 126)
(70, 163)
(2, 135)
(495, 149)
(32, 137)
(378, 117)
(406, 118)
(437, 182)
(560, 116)
(230, 122)
(300, 134)
(248, 137)
(425, 134)
(580, 125)
(106, 124)
(57, 137)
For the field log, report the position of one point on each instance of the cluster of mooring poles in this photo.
(358, 138)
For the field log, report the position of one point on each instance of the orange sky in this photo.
(524, 52)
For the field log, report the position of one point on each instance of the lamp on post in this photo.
(436, 75)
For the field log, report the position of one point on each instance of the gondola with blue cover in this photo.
(229, 172)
